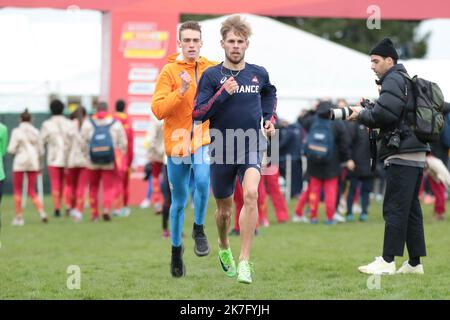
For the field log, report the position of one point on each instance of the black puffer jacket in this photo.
(387, 114)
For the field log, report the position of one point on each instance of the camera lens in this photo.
(340, 113)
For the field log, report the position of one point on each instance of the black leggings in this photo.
(167, 198)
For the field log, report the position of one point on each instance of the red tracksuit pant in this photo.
(107, 178)
(273, 189)
(56, 175)
(330, 188)
(157, 195)
(17, 189)
(302, 201)
(121, 192)
(76, 182)
(438, 189)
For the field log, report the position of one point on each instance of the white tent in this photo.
(302, 66)
(438, 46)
(433, 70)
(48, 52)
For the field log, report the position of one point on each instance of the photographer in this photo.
(404, 159)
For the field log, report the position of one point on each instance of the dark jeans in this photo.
(296, 176)
(366, 187)
(402, 212)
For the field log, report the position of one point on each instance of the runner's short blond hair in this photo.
(237, 25)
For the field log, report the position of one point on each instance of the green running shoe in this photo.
(245, 270)
(227, 262)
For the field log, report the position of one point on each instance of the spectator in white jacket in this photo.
(28, 151)
(77, 175)
(55, 135)
(154, 144)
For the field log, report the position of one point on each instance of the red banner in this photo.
(135, 47)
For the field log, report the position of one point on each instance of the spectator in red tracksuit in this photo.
(325, 175)
(55, 136)
(104, 173)
(123, 166)
(77, 176)
(272, 187)
(27, 149)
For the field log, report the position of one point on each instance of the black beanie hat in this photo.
(385, 48)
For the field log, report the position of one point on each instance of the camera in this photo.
(340, 113)
(367, 104)
(393, 139)
(344, 113)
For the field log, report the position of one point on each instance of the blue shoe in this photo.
(314, 221)
(330, 222)
(363, 217)
(349, 217)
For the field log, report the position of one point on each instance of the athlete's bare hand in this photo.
(230, 85)
(270, 128)
(185, 82)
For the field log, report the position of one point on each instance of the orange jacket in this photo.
(176, 110)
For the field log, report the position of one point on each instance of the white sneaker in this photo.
(407, 268)
(43, 216)
(379, 197)
(379, 267)
(125, 212)
(342, 207)
(145, 204)
(300, 219)
(157, 207)
(18, 222)
(116, 212)
(338, 218)
(357, 208)
(76, 215)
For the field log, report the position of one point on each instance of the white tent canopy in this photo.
(48, 52)
(302, 66)
(433, 70)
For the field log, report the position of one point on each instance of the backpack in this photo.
(428, 109)
(445, 135)
(320, 141)
(101, 147)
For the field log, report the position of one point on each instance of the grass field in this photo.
(128, 259)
